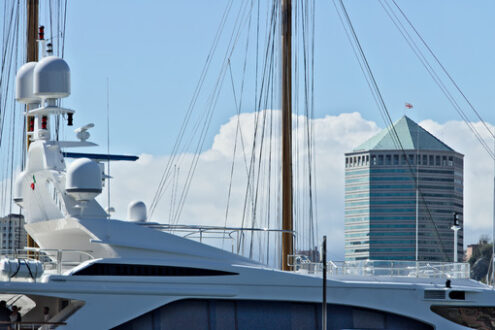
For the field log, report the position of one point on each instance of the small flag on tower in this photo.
(409, 105)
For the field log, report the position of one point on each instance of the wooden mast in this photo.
(32, 31)
(32, 56)
(287, 222)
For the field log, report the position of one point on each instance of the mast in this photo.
(31, 46)
(287, 222)
(32, 31)
(32, 56)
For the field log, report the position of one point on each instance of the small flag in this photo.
(409, 105)
(33, 183)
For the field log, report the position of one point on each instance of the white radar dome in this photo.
(24, 84)
(83, 180)
(136, 211)
(52, 78)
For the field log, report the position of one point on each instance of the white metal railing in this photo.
(234, 235)
(420, 269)
(30, 325)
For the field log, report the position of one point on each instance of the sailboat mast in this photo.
(32, 30)
(31, 56)
(287, 222)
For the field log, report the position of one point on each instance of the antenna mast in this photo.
(287, 222)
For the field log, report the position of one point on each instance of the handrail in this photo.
(207, 232)
(31, 325)
(395, 268)
(213, 228)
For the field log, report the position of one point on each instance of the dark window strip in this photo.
(107, 269)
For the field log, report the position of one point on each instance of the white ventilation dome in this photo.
(24, 84)
(18, 189)
(136, 211)
(51, 78)
(83, 180)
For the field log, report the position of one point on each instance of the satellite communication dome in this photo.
(24, 84)
(52, 78)
(136, 211)
(83, 181)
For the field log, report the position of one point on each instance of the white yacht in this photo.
(100, 273)
(93, 272)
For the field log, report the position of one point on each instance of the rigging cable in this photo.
(437, 79)
(213, 98)
(182, 130)
(449, 76)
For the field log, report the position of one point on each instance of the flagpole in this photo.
(417, 193)
(410, 106)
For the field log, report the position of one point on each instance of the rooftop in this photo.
(411, 137)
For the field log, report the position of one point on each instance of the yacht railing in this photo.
(30, 325)
(388, 268)
(234, 235)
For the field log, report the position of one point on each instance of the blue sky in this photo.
(152, 52)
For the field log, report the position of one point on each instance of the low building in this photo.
(13, 236)
(469, 251)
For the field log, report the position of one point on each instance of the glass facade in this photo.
(383, 190)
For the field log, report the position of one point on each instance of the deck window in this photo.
(106, 269)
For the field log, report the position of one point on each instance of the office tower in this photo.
(403, 188)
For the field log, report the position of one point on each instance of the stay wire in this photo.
(436, 78)
(190, 109)
(241, 21)
(449, 76)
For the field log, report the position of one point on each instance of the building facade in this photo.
(13, 236)
(402, 188)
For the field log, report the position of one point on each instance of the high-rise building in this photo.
(13, 236)
(403, 188)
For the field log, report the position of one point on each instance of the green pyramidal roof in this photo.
(411, 136)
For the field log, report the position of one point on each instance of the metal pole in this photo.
(455, 244)
(417, 221)
(324, 305)
(417, 193)
(455, 227)
(287, 222)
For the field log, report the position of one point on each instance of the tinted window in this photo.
(104, 269)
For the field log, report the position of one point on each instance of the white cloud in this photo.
(334, 135)
(478, 173)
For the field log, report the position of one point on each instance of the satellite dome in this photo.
(24, 84)
(51, 78)
(136, 211)
(83, 180)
